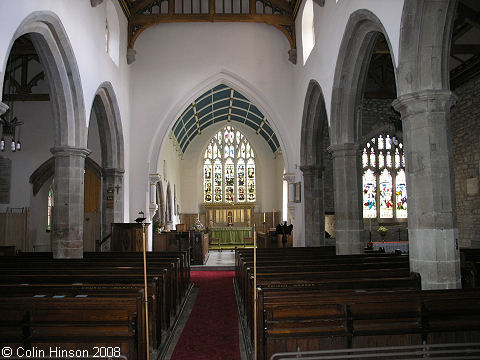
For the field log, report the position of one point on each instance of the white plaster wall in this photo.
(177, 62)
(36, 136)
(269, 171)
(85, 30)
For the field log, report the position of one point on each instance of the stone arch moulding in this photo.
(56, 54)
(106, 109)
(356, 48)
(70, 132)
(314, 125)
(227, 78)
(351, 70)
(414, 71)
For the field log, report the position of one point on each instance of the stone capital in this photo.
(60, 151)
(154, 178)
(424, 101)
(131, 56)
(289, 177)
(311, 170)
(3, 108)
(342, 150)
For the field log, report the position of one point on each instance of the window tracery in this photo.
(384, 180)
(229, 172)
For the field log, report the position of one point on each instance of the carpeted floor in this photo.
(211, 332)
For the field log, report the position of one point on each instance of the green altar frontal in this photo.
(230, 235)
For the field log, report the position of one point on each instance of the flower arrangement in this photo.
(157, 226)
(382, 231)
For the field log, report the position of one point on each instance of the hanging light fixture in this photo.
(9, 123)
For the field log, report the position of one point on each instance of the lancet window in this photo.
(229, 172)
(384, 180)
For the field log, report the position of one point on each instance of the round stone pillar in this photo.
(68, 207)
(432, 223)
(347, 183)
(314, 206)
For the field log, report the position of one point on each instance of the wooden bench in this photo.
(73, 323)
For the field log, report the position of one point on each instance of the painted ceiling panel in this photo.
(221, 103)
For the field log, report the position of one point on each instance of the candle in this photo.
(273, 218)
(264, 216)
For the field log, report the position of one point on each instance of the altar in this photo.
(391, 246)
(230, 235)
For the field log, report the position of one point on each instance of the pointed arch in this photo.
(314, 134)
(162, 133)
(353, 60)
(356, 48)
(416, 47)
(106, 109)
(56, 55)
(314, 126)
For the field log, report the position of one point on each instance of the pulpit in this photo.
(127, 237)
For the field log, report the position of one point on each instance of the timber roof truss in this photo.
(281, 14)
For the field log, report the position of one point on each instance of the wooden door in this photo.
(92, 219)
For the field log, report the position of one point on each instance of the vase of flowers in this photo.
(382, 231)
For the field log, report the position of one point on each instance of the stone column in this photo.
(68, 211)
(314, 208)
(153, 206)
(290, 178)
(432, 223)
(112, 211)
(347, 183)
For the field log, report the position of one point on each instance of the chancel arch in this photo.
(224, 110)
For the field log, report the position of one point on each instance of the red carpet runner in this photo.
(211, 332)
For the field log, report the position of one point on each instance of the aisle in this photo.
(211, 332)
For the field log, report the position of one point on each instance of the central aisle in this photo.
(211, 332)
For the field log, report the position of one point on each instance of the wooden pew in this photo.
(72, 323)
(345, 319)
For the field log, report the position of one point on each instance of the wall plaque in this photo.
(110, 197)
(5, 179)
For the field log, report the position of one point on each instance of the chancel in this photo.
(152, 149)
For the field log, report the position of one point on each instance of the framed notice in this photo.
(110, 198)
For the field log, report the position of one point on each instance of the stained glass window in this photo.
(384, 180)
(229, 173)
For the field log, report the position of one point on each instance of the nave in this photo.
(299, 300)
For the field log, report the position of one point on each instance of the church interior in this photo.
(233, 179)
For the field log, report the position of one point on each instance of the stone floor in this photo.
(217, 260)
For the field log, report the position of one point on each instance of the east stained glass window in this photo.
(384, 181)
(229, 173)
